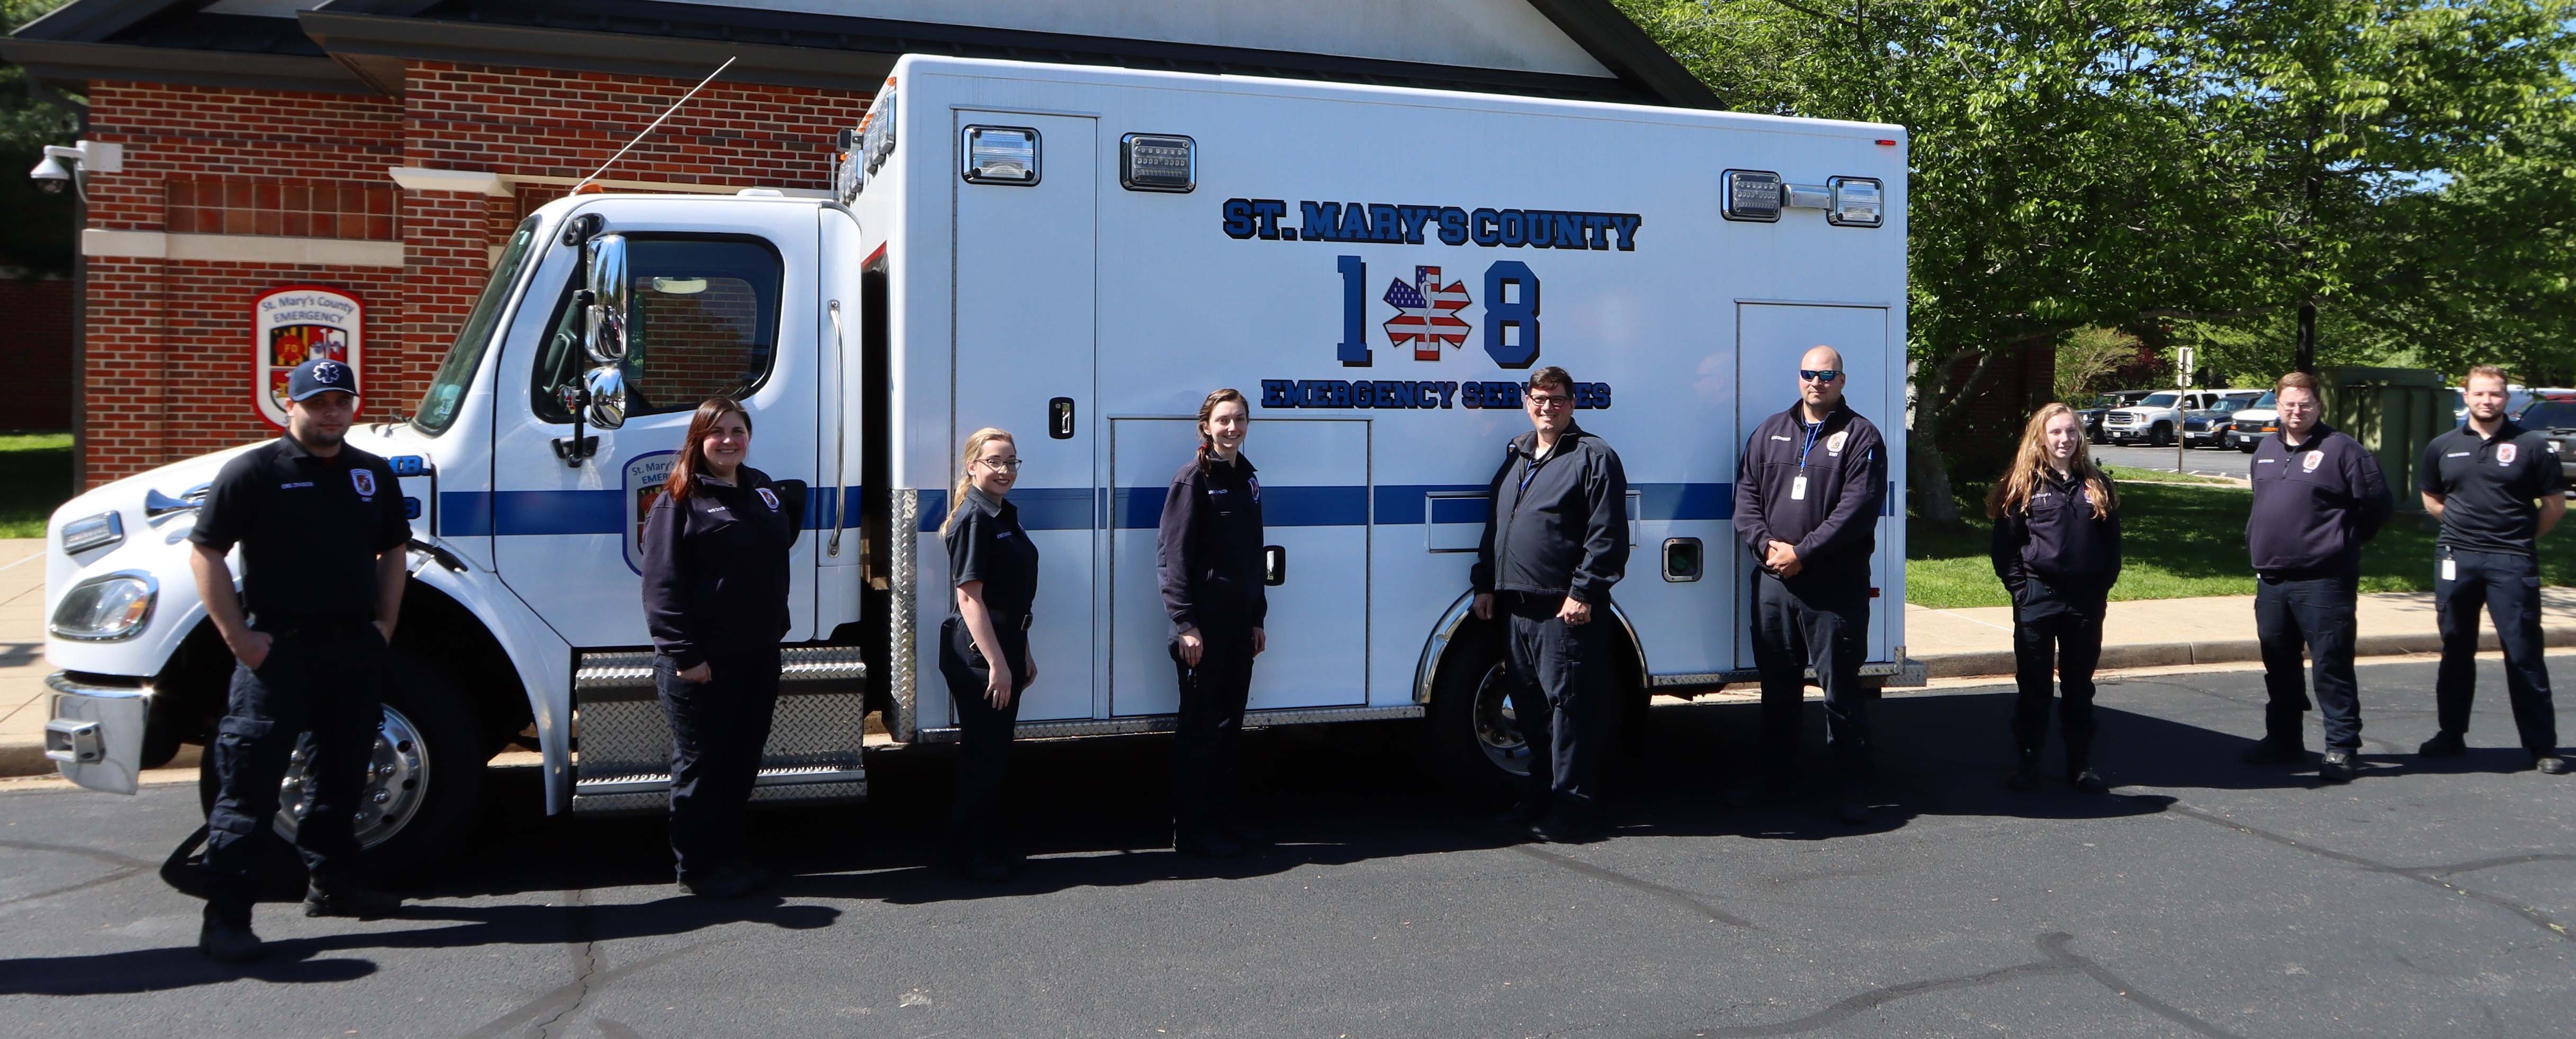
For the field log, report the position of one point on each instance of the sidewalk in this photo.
(2217, 630)
(23, 705)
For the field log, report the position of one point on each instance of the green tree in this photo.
(2087, 358)
(37, 238)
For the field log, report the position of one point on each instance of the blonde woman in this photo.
(984, 645)
(2057, 549)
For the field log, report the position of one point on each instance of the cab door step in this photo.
(622, 742)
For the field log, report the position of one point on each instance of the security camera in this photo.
(50, 175)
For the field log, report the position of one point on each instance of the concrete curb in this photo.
(2178, 654)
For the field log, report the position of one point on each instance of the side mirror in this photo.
(604, 393)
(604, 332)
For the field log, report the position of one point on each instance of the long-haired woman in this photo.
(1208, 557)
(715, 599)
(984, 645)
(2057, 549)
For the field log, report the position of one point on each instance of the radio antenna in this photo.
(656, 124)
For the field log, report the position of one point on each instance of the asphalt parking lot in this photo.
(2202, 461)
(2204, 897)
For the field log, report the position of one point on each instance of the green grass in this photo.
(35, 477)
(2181, 540)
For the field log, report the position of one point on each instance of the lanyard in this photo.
(1812, 430)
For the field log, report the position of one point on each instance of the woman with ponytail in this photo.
(984, 645)
(2057, 549)
(1208, 558)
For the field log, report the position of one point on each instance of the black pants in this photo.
(2061, 641)
(1207, 747)
(2509, 587)
(2315, 615)
(719, 729)
(1820, 626)
(975, 823)
(321, 688)
(1560, 685)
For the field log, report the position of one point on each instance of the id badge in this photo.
(1798, 489)
(2450, 569)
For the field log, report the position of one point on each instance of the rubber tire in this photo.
(2245, 446)
(446, 719)
(2162, 436)
(1456, 757)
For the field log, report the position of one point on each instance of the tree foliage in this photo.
(37, 237)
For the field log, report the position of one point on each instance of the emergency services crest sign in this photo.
(642, 487)
(2312, 461)
(2505, 453)
(292, 325)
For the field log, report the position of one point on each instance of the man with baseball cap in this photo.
(321, 530)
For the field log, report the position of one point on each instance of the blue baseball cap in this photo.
(321, 375)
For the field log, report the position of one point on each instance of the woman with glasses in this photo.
(1208, 557)
(984, 646)
(2057, 549)
(715, 599)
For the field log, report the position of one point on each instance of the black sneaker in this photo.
(1252, 840)
(2338, 767)
(2089, 781)
(1213, 844)
(731, 880)
(2549, 764)
(2443, 745)
(1852, 808)
(350, 900)
(225, 940)
(2025, 775)
(2267, 752)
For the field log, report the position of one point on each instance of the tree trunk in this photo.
(1927, 470)
(2307, 359)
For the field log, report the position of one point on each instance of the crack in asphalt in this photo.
(2475, 865)
(585, 959)
(97, 881)
(572, 993)
(126, 866)
(2431, 875)
(2056, 959)
(1675, 896)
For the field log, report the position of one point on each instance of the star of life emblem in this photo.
(327, 371)
(364, 480)
(1426, 313)
(2505, 453)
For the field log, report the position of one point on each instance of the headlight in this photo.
(108, 608)
(98, 531)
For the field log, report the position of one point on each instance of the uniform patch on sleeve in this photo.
(767, 498)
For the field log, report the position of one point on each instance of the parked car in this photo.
(2209, 426)
(2155, 419)
(2556, 416)
(2251, 423)
(2102, 405)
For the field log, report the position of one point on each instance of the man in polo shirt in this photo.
(2318, 496)
(2497, 488)
(321, 530)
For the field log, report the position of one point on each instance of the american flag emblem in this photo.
(1426, 313)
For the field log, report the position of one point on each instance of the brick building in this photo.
(379, 150)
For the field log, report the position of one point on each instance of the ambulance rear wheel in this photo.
(1475, 737)
(422, 783)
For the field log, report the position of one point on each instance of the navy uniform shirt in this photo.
(1208, 553)
(2314, 505)
(1559, 524)
(2489, 486)
(715, 566)
(1833, 517)
(2055, 547)
(986, 544)
(309, 528)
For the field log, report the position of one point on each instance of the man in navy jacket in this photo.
(1808, 490)
(2318, 496)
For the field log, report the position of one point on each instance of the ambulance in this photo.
(1077, 255)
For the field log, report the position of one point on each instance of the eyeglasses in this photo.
(1550, 401)
(1819, 374)
(1000, 464)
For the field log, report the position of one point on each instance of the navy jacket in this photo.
(1560, 524)
(1208, 555)
(2314, 505)
(715, 566)
(2057, 553)
(1835, 523)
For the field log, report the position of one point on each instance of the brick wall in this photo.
(36, 331)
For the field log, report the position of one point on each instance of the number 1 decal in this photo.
(1511, 303)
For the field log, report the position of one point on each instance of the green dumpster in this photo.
(2394, 412)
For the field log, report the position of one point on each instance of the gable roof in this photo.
(347, 46)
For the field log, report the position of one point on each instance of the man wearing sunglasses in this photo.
(1808, 488)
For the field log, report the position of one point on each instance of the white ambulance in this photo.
(1078, 255)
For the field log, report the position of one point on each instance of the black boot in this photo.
(2026, 773)
(344, 898)
(2087, 780)
(226, 937)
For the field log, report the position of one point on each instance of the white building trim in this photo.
(470, 182)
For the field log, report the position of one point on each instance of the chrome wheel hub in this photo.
(1498, 731)
(389, 794)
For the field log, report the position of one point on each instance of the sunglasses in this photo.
(1819, 374)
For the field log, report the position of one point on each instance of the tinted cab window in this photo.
(703, 323)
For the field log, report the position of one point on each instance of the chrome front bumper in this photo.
(95, 735)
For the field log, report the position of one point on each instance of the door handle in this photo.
(1274, 565)
(1060, 418)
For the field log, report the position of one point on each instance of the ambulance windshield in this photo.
(446, 392)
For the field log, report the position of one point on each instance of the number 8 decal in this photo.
(1516, 311)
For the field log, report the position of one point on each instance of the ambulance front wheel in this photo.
(1475, 738)
(422, 783)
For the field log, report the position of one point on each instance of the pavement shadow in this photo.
(322, 959)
